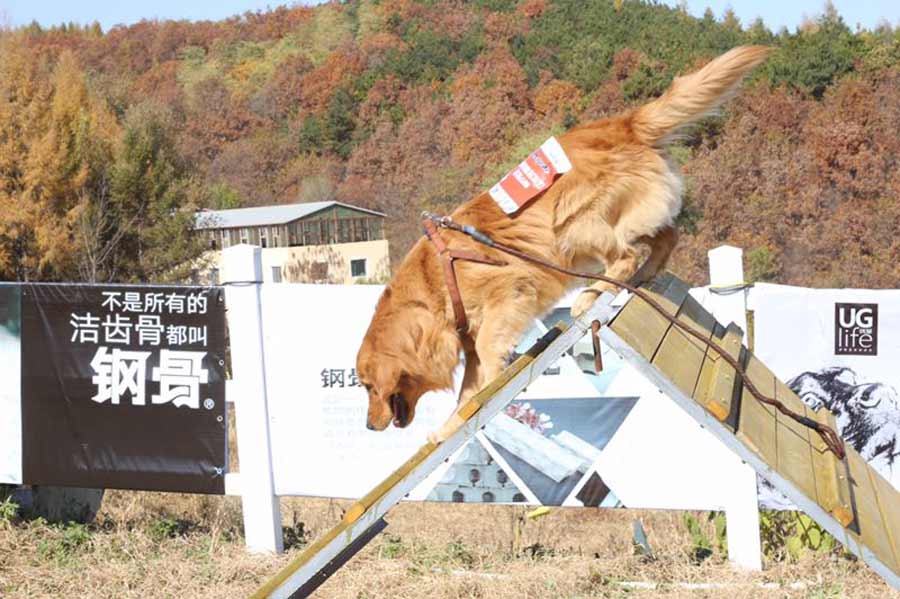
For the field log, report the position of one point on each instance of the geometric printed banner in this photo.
(123, 387)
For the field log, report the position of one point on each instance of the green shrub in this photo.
(702, 546)
(393, 547)
(788, 535)
(761, 265)
(8, 510)
(64, 541)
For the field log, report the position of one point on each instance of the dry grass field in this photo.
(167, 545)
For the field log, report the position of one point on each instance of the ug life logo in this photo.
(856, 329)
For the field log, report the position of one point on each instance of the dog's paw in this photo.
(584, 301)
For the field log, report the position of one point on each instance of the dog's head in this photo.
(393, 391)
(406, 353)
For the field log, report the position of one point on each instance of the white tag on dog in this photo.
(531, 177)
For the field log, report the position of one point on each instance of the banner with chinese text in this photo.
(123, 387)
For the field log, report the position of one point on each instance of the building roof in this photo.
(262, 216)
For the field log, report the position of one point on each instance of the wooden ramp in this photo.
(365, 518)
(847, 497)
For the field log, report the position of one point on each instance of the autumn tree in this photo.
(64, 137)
(149, 206)
(815, 56)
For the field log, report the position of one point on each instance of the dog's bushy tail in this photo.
(693, 96)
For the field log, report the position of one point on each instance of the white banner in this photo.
(317, 410)
(571, 438)
(838, 348)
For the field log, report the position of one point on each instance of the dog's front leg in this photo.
(471, 383)
(498, 334)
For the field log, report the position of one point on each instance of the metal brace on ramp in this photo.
(365, 518)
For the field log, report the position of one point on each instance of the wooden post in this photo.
(262, 514)
(726, 267)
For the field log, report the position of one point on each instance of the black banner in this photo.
(124, 387)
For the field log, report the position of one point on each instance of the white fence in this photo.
(302, 433)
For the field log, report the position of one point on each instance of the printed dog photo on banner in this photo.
(867, 413)
(10, 385)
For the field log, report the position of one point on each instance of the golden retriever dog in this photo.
(622, 191)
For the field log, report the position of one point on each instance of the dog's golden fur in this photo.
(622, 191)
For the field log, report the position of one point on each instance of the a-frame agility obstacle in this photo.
(845, 496)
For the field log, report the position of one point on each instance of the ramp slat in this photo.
(760, 375)
(889, 502)
(825, 417)
(791, 401)
(832, 484)
(681, 355)
(795, 459)
(872, 527)
(668, 290)
(832, 478)
(640, 324)
(715, 389)
(756, 423)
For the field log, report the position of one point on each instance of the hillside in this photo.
(109, 139)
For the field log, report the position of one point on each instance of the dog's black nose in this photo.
(369, 426)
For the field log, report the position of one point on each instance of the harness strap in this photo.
(448, 257)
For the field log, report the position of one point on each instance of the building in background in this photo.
(315, 242)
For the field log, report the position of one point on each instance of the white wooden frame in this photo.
(254, 483)
(256, 486)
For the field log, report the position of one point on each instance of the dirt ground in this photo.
(169, 545)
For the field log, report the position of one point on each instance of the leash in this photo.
(432, 222)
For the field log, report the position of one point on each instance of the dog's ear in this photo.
(442, 348)
(437, 346)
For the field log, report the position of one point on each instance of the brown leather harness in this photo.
(447, 257)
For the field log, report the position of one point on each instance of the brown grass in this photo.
(168, 545)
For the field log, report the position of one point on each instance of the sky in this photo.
(790, 13)
(776, 13)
